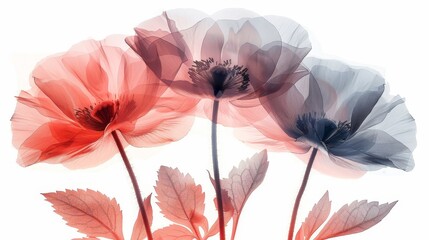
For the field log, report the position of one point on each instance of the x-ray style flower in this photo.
(79, 98)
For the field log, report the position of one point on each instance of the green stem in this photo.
(300, 193)
(135, 184)
(216, 172)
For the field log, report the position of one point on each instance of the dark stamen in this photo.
(97, 118)
(321, 130)
(220, 75)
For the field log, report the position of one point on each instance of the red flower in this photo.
(79, 97)
(218, 58)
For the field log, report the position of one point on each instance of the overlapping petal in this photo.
(230, 57)
(79, 97)
(346, 113)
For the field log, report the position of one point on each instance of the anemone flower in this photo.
(88, 100)
(225, 62)
(232, 57)
(345, 116)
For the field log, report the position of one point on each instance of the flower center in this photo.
(97, 117)
(221, 76)
(320, 130)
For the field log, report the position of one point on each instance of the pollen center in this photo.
(321, 130)
(221, 76)
(98, 116)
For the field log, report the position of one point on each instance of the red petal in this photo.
(267, 134)
(87, 68)
(158, 128)
(56, 141)
(41, 103)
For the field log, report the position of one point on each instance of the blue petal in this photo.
(349, 94)
(374, 149)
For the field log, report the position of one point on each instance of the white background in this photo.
(390, 37)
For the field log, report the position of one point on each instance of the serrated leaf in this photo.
(242, 181)
(354, 218)
(173, 232)
(315, 218)
(180, 200)
(139, 230)
(91, 212)
(86, 238)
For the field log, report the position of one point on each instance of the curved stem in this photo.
(135, 184)
(300, 193)
(216, 172)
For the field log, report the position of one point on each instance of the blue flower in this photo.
(344, 112)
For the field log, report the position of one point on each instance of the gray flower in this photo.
(346, 113)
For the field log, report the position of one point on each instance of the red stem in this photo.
(300, 193)
(135, 184)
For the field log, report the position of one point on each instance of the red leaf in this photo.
(181, 200)
(91, 212)
(354, 218)
(228, 210)
(227, 215)
(139, 231)
(242, 181)
(214, 229)
(173, 232)
(86, 238)
(245, 179)
(315, 218)
(226, 200)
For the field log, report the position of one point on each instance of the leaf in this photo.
(139, 231)
(242, 181)
(228, 210)
(86, 238)
(214, 229)
(354, 218)
(173, 232)
(315, 218)
(91, 212)
(226, 200)
(181, 200)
